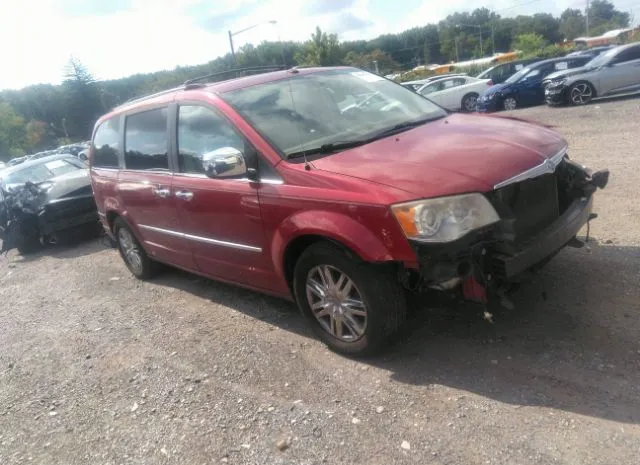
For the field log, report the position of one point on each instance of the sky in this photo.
(117, 38)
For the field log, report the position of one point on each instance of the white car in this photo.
(456, 93)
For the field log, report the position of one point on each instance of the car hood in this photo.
(74, 183)
(566, 73)
(498, 88)
(453, 155)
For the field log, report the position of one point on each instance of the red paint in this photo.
(344, 197)
(474, 291)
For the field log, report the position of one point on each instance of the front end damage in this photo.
(29, 217)
(539, 215)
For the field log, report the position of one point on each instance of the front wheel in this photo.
(510, 103)
(581, 93)
(353, 307)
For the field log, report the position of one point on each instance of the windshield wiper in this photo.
(329, 148)
(403, 127)
(349, 144)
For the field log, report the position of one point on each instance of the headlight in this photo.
(490, 96)
(444, 219)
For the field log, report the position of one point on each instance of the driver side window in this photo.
(200, 131)
(629, 54)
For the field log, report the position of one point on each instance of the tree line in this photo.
(44, 116)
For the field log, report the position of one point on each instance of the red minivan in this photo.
(337, 189)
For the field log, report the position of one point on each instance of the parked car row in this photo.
(574, 79)
(79, 150)
(339, 190)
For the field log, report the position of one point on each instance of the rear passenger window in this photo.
(105, 144)
(146, 141)
(201, 130)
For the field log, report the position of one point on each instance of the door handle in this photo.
(162, 192)
(184, 195)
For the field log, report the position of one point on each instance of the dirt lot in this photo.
(98, 368)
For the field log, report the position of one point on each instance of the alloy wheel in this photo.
(336, 303)
(581, 94)
(510, 103)
(470, 103)
(130, 249)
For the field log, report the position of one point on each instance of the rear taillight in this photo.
(490, 83)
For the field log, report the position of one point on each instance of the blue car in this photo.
(525, 87)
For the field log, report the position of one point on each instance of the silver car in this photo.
(614, 72)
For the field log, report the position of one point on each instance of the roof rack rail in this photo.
(238, 73)
(145, 97)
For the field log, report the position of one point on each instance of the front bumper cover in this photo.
(494, 257)
(548, 242)
(556, 95)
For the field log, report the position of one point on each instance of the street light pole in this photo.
(231, 34)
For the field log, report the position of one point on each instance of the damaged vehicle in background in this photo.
(44, 199)
(272, 183)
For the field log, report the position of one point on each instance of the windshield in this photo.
(602, 59)
(41, 172)
(519, 75)
(330, 107)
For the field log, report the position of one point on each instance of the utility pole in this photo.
(375, 65)
(587, 16)
(455, 41)
(233, 52)
(493, 39)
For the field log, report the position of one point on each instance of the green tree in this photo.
(572, 23)
(529, 44)
(83, 102)
(322, 50)
(367, 61)
(38, 136)
(603, 13)
(12, 132)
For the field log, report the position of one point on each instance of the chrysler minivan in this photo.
(337, 189)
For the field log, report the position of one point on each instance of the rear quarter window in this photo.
(106, 144)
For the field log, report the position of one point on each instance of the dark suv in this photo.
(337, 189)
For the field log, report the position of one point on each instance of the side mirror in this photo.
(225, 162)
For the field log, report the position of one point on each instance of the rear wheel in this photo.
(581, 93)
(510, 103)
(353, 307)
(469, 102)
(132, 253)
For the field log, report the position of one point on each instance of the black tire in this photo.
(146, 268)
(29, 244)
(377, 286)
(581, 93)
(469, 102)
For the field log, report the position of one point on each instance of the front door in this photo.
(220, 217)
(144, 188)
(623, 75)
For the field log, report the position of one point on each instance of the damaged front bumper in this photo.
(539, 217)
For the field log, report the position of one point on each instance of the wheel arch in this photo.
(300, 231)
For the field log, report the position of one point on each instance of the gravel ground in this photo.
(99, 368)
